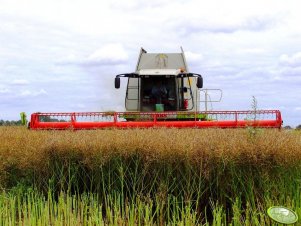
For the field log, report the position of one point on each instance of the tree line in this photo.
(10, 123)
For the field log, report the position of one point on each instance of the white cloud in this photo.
(193, 57)
(290, 73)
(110, 54)
(252, 51)
(78, 106)
(189, 25)
(136, 4)
(293, 60)
(4, 90)
(29, 93)
(20, 82)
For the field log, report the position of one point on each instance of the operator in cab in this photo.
(159, 91)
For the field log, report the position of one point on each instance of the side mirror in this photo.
(117, 83)
(185, 89)
(199, 83)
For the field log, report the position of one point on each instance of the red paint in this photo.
(209, 119)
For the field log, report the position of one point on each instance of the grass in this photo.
(150, 177)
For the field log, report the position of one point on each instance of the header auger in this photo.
(160, 93)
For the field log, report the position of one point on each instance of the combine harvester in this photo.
(160, 93)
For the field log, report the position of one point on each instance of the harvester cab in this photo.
(161, 82)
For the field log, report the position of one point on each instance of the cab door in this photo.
(132, 94)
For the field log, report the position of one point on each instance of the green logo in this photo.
(282, 215)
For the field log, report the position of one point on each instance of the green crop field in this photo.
(147, 176)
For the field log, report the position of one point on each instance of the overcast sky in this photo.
(62, 55)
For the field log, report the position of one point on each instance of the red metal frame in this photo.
(209, 119)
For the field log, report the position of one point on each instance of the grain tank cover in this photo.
(161, 61)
